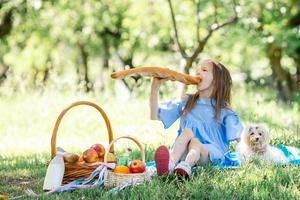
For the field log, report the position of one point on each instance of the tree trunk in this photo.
(297, 76)
(105, 60)
(6, 24)
(127, 61)
(83, 71)
(185, 67)
(282, 78)
(35, 75)
(3, 72)
(106, 51)
(101, 82)
(297, 79)
(294, 22)
(49, 67)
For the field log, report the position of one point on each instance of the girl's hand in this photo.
(158, 81)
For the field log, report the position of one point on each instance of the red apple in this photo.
(99, 148)
(137, 166)
(90, 156)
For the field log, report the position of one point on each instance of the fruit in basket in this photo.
(111, 158)
(122, 169)
(99, 148)
(80, 160)
(137, 166)
(90, 156)
(71, 157)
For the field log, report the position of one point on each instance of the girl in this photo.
(207, 124)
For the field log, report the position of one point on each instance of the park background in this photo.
(55, 52)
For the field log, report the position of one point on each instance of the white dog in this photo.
(255, 143)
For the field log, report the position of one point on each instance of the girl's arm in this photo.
(156, 82)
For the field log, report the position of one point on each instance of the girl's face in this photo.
(205, 72)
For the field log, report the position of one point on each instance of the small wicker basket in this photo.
(117, 179)
(75, 171)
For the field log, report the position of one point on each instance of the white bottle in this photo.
(55, 171)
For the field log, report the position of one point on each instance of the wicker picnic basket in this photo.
(117, 179)
(75, 171)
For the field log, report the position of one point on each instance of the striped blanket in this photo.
(292, 154)
(231, 160)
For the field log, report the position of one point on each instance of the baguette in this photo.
(158, 72)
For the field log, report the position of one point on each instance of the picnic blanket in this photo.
(292, 155)
(232, 162)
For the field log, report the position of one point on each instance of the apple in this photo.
(71, 157)
(137, 166)
(99, 148)
(90, 155)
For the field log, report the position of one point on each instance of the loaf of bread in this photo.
(158, 72)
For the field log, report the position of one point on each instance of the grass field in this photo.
(27, 119)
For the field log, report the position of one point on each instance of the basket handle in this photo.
(77, 103)
(127, 137)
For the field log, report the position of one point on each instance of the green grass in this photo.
(27, 119)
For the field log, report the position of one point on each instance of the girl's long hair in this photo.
(222, 83)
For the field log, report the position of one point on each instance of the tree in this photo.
(280, 38)
(190, 58)
(294, 24)
(6, 24)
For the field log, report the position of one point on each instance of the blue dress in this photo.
(214, 135)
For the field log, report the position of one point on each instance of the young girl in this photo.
(207, 124)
